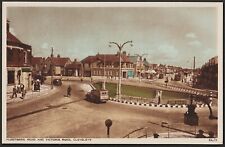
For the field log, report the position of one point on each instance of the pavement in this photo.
(45, 90)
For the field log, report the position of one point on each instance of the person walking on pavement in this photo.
(22, 87)
(14, 92)
(23, 94)
(69, 91)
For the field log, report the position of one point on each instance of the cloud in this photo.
(195, 43)
(11, 30)
(45, 45)
(191, 35)
(164, 53)
(167, 51)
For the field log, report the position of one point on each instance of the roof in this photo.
(89, 59)
(36, 60)
(106, 58)
(74, 65)
(133, 58)
(146, 63)
(13, 40)
(58, 61)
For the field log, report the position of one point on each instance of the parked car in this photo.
(57, 82)
(97, 96)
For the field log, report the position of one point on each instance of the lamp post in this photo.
(120, 47)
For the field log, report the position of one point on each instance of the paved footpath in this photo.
(45, 90)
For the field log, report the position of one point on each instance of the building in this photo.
(141, 66)
(108, 65)
(38, 65)
(208, 76)
(138, 65)
(58, 65)
(19, 57)
(74, 69)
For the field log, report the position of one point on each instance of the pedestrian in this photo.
(23, 94)
(14, 92)
(200, 134)
(38, 85)
(69, 91)
(22, 87)
(18, 89)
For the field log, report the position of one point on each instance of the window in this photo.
(11, 76)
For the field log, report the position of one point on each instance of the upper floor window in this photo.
(25, 57)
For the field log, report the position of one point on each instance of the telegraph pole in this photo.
(194, 64)
(52, 68)
(193, 77)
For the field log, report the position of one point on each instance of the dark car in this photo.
(97, 96)
(57, 82)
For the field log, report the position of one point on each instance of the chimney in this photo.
(75, 60)
(124, 53)
(7, 26)
(144, 59)
(58, 56)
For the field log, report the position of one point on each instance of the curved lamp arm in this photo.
(126, 43)
(116, 44)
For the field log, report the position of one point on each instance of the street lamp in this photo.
(120, 47)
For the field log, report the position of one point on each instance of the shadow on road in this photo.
(41, 110)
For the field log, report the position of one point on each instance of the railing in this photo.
(132, 132)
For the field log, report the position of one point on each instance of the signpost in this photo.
(108, 124)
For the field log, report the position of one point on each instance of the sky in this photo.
(168, 35)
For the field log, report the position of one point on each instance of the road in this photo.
(58, 116)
